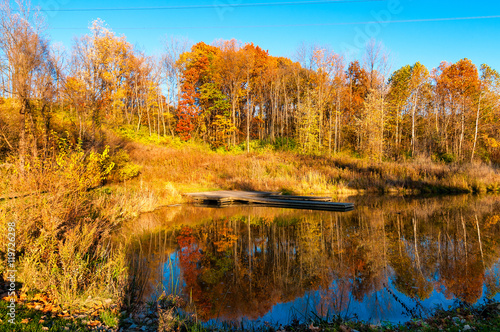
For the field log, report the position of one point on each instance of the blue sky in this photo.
(343, 26)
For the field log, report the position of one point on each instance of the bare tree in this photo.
(376, 61)
(27, 61)
(173, 48)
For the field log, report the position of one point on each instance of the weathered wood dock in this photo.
(272, 199)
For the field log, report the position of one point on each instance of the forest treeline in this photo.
(229, 93)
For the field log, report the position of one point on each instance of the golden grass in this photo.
(171, 171)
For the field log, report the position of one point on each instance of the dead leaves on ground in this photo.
(88, 312)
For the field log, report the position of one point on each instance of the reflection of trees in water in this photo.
(247, 274)
(241, 261)
(450, 244)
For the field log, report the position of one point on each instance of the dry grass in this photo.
(170, 171)
(64, 231)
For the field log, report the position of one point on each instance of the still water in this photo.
(390, 259)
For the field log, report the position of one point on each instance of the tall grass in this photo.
(165, 168)
(64, 226)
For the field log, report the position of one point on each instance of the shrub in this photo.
(63, 230)
(446, 158)
(124, 169)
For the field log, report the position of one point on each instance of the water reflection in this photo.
(389, 259)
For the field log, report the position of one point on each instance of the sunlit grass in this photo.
(187, 169)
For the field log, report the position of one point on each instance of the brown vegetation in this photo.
(290, 172)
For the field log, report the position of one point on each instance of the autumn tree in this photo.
(487, 100)
(398, 97)
(373, 125)
(456, 86)
(196, 73)
(97, 74)
(358, 88)
(338, 92)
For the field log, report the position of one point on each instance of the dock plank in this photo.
(301, 198)
(226, 198)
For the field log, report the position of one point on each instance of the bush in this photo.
(124, 169)
(79, 169)
(63, 230)
(446, 158)
(285, 144)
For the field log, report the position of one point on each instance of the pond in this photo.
(391, 259)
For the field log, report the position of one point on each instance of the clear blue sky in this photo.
(280, 29)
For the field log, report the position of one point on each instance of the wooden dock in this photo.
(272, 199)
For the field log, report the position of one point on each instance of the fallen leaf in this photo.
(25, 321)
(47, 308)
(94, 323)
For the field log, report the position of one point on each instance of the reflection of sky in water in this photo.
(172, 282)
(378, 307)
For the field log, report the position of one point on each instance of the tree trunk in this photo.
(413, 129)
(477, 127)
(248, 122)
(462, 130)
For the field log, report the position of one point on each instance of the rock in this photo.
(133, 326)
(144, 328)
(128, 320)
(467, 327)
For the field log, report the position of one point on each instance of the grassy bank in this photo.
(169, 167)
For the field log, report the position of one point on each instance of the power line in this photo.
(211, 6)
(299, 25)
